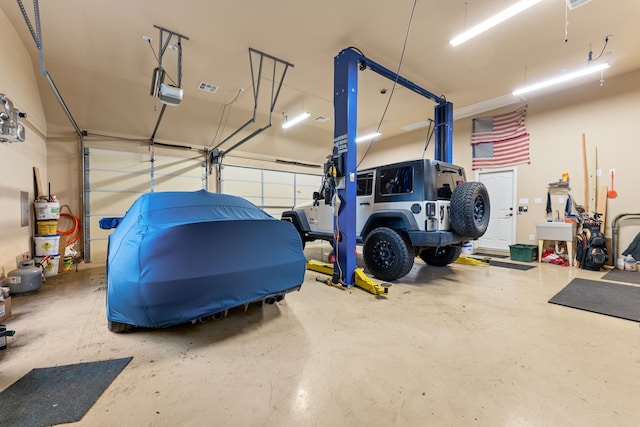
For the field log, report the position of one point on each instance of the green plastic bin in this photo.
(523, 252)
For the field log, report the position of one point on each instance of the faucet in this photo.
(557, 216)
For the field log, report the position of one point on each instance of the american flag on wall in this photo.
(500, 140)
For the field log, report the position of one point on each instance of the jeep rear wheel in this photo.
(469, 216)
(387, 255)
(439, 257)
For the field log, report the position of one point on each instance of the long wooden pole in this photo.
(586, 173)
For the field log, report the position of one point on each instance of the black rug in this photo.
(623, 276)
(611, 299)
(57, 395)
(486, 255)
(511, 265)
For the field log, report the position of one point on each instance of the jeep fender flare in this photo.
(298, 218)
(398, 219)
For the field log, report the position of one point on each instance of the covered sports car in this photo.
(177, 257)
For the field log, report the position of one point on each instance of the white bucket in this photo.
(50, 264)
(47, 210)
(467, 248)
(47, 245)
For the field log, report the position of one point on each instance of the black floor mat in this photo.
(511, 265)
(623, 276)
(611, 299)
(57, 395)
(486, 255)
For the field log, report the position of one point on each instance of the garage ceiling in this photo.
(100, 62)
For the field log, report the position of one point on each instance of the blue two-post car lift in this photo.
(347, 64)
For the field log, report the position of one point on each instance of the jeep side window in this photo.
(364, 184)
(396, 180)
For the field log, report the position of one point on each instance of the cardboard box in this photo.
(5, 309)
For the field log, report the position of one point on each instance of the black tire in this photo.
(387, 254)
(118, 327)
(469, 216)
(439, 257)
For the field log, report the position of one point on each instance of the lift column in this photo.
(345, 104)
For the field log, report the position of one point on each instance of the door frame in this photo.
(514, 195)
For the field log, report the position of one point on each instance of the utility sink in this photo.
(565, 231)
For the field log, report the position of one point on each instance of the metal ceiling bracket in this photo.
(255, 85)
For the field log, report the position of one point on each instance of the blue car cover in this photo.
(180, 256)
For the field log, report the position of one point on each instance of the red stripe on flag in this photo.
(508, 152)
(504, 126)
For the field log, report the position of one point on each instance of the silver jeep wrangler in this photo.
(415, 208)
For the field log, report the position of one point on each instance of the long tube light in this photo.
(493, 21)
(367, 137)
(287, 124)
(562, 78)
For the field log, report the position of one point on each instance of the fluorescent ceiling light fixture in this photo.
(563, 78)
(416, 125)
(368, 136)
(295, 120)
(493, 21)
(484, 106)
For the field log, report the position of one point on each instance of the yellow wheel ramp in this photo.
(471, 261)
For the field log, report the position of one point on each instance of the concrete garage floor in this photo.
(454, 346)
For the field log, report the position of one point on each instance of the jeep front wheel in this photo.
(439, 257)
(469, 216)
(387, 255)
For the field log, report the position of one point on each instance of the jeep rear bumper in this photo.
(434, 238)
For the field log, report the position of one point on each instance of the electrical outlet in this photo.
(537, 201)
(532, 237)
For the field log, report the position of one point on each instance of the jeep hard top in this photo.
(414, 208)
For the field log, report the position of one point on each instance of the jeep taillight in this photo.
(430, 209)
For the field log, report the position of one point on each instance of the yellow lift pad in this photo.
(361, 279)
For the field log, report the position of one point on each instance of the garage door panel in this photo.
(242, 188)
(278, 177)
(279, 190)
(119, 160)
(274, 191)
(303, 180)
(109, 203)
(178, 166)
(178, 183)
(98, 233)
(117, 178)
(99, 250)
(244, 174)
(279, 202)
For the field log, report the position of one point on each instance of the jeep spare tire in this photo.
(387, 255)
(469, 215)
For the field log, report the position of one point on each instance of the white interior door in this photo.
(501, 185)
